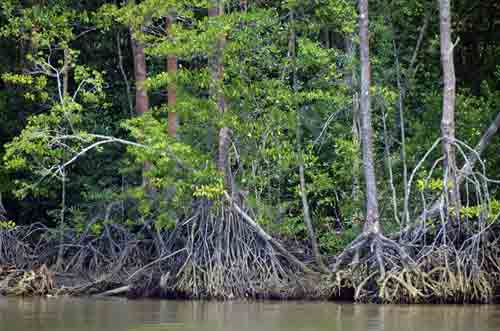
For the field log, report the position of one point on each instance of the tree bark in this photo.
(217, 67)
(141, 94)
(172, 88)
(66, 72)
(450, 184)
(352, 83)
(412, 67)
(140, 74)
(372, 223)
(124, 75)
(3, 211)
(401, 120)
(467, 168)
(479, 148)
(60, 253)
(65, 87)
(308, 221)
(371, 238)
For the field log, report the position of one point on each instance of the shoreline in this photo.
(43, 283)
(187, 263)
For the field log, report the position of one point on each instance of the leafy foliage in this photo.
(84, 137)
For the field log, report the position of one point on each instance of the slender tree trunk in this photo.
(140, 74)
(467, 168)
(388, 158)
(401, 119)
(412, 68)
(217, 67)
(60, 253)
(372, 236)
(448, 118)
(303, 191)
(480, 147)
(372, 223)
(124, 74)
(141, 94)
(66, 72)
(352, 83)
(172, 88)
(3, 211)
(308, 220)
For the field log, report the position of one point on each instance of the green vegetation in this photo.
(222, 148)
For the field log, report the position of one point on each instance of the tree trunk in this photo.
(352, 84)
(60, 253)
(172, 88)
(303, 192)
(467, 168)
(217, 67)
(3, 211)
(124, 74)
(65, 86)
(450, 185)
(401, 120)
(66, 72)
(480, 147)
(141, 95)
(372, 223)
(372, 238)
(140, 74)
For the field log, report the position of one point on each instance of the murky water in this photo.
(123, 315)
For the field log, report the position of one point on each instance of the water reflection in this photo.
(72, 314)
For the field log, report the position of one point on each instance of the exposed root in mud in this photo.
(213, 254)
(381, 270)
(216, 255)
(443, 256)
(372, 258)
(452, 268)
(219, 251)
(227, 258)
(442, 275)
(383, 250)
(35, 282)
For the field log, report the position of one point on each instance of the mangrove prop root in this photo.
(380, 270)
(36, 282)
(218, 253)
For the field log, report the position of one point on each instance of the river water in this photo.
(149, 315)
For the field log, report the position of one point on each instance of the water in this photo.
(75, 314)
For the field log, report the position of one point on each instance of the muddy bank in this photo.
(43, 282)
(217, 256)
(410, 286)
